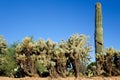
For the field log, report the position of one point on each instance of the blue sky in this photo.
(58, 19)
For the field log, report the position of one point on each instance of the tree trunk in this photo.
(61, 68)
(53, 73)
(76, 66)
(29, 66)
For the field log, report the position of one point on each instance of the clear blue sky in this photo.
(58, 19)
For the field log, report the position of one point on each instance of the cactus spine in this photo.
(99, 47)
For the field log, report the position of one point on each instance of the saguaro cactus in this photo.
(99, 47)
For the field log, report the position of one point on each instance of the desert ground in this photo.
(68, 78)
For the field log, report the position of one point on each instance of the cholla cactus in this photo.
(59, 56)
(40, 47)
(109, 63)
(51, 55)
(3, 45)
(50, 46)
(78, 51)
(110, 51)
(100, 57)
(100, 61)
(3, 49)
(78, 46)
(45, 55)
(25, 56)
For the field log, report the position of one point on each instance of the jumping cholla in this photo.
(3, 45)
(52, 55)
(79, 49)
(25, 56)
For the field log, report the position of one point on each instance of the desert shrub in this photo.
(10, 62)
(41, 70)
(7, 59)
(3, 60)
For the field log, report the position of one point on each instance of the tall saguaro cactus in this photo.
(99, 47)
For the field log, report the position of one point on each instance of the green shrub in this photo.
(7, 59)
(41, 70)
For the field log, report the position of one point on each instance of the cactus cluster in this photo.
(52, 55)
(110, 63)
(55, 58)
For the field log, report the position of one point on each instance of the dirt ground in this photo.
(68, 78)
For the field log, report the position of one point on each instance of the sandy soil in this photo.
(68, 78)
